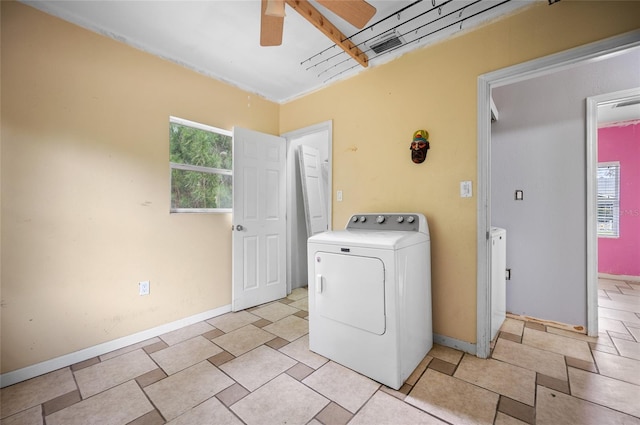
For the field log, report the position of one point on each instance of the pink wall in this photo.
(621, 256)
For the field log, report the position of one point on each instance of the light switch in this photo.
(339, 196)
(466, 189)
(519, 195)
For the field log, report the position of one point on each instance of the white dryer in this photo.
(370, 295)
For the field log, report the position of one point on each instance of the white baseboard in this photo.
(47, 366)
(447, 341)
(619, 277)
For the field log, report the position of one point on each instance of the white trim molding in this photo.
(47, 366)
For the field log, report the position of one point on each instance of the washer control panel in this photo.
(385, 221)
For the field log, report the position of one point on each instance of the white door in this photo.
(259, 223)
(313, 192)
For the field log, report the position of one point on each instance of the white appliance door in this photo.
(312, 191)
(350, 290)
(259, 210)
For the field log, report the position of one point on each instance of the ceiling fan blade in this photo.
(356, 12)
(270, 27)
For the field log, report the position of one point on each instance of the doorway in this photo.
(614, 116)
(486, 83)
(319, 137)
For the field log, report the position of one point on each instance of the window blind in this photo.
(609, 199)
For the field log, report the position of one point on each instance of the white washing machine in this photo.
(370, 295)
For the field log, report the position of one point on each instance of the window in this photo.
(201, 167)
(609, 199)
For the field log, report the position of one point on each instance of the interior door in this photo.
(313, 192)
(259, 223)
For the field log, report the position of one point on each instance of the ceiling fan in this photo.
(356, 12)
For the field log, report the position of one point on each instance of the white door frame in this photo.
(316, 128)
(502, 77)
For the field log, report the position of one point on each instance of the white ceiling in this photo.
(220, 38)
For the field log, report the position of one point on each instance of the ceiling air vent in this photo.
(386, 42)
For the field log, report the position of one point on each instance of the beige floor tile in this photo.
(604, 349)
(32, 416)
(185, 333)
(557, 344)
(265, 407)
(607, 284)
(445, 353)
(334, 414)
(185, 354)
(186, 389)
(211, 412)
(453, 400)
(626, 297)
(531, 358)
(275, 311)
(116, 406)
(344, 386)
(512, 326)
(616, 303)
(606, 324)
(627, 316)
(604, 339)
(243, 339)
(118, 370)
(299, 350)
(289, 328)
(627, 348)
(298, 293)
(302, 304)
(384, 409)
(632, 292)
(511, 381)
(570, 334)
(602, 390)
(232, 321)
(24, 395)
(635, 332)
(556, 408)
(255, 368)
(129, 349)
(502, 419)
(617, 367)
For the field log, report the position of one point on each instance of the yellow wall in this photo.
(85, 179)
(375, 114)
(85, 195)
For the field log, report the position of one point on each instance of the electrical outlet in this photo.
(144, 287)
(466, 190)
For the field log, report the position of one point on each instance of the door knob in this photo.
(239, 227)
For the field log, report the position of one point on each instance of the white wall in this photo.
(539, 146)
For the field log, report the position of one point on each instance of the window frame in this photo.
(198, 168)
(614, 234)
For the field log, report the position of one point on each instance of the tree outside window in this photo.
(201, 167)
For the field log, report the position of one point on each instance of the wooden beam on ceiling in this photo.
(311, 14)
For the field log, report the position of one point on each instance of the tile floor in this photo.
(254, 367)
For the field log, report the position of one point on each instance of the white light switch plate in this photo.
(466, 190)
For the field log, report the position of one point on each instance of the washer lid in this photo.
(369, 239)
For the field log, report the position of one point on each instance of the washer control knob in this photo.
(363, 219)
(380, 219)
(411, 219)
(354, 219)
(400, 219)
